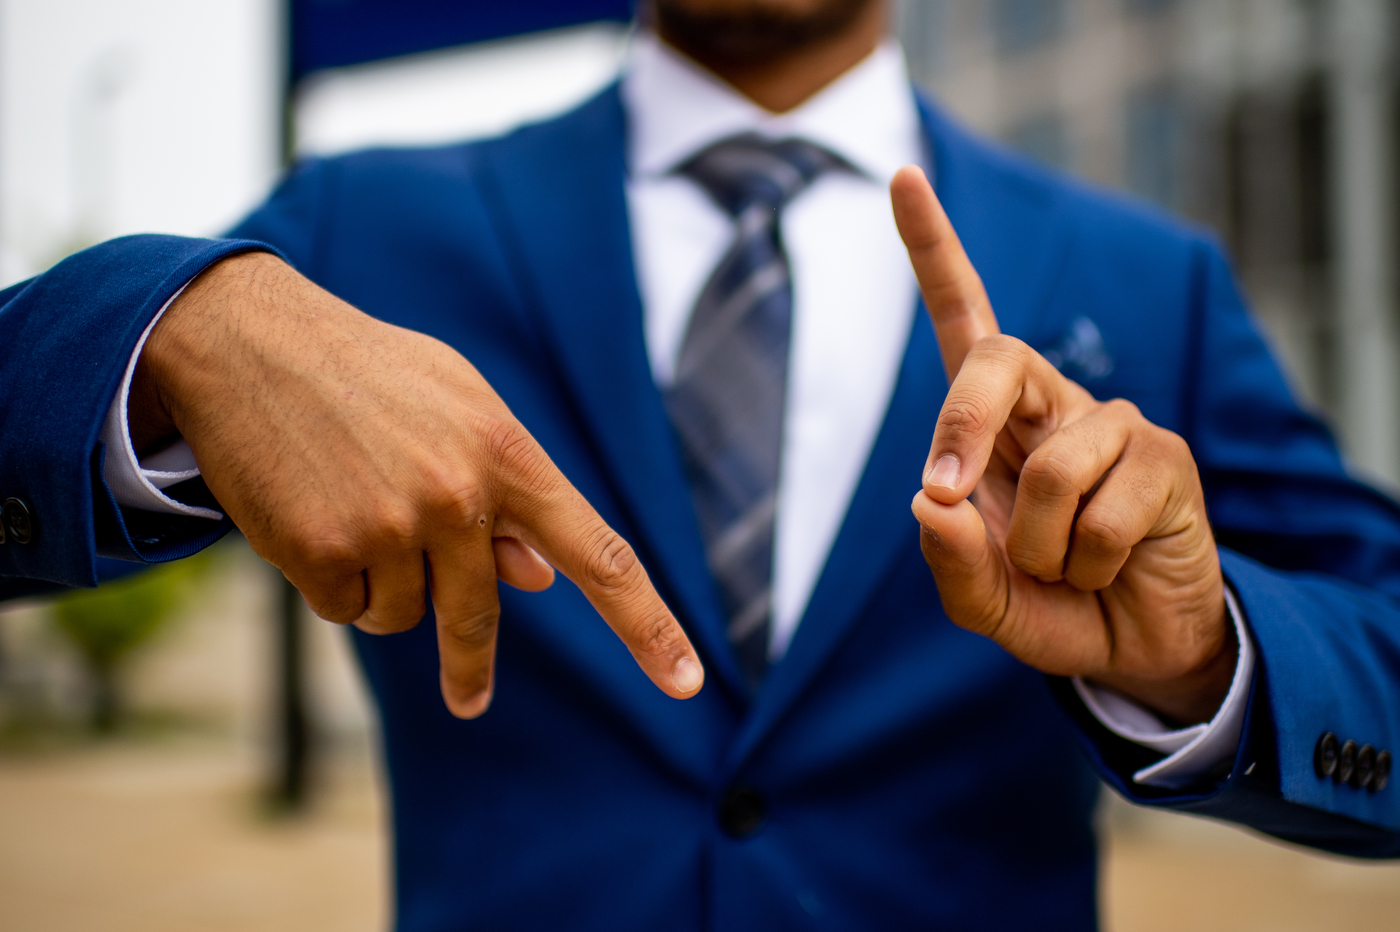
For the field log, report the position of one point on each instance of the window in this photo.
(1020, 25)
(1154, 129)
(1148, 7)
(922, 29)
(1044, 138)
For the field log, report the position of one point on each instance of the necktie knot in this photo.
(747, 170)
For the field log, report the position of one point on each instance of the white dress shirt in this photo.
(853, 290)
(854, 297)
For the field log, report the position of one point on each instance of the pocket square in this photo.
(1081, 353)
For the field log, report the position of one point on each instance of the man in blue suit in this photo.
(691, 293)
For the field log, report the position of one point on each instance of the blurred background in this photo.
(190, 750)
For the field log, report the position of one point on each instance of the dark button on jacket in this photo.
(18, 522)
(742, 812)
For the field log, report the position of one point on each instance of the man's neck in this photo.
(783, 82)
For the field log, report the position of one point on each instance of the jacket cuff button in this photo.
(1365, 767)
(1346, 762)
(1381, 776)
(1325, 755)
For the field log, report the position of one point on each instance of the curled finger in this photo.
(395, 589)
(1059, 478)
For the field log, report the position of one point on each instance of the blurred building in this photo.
(1270, 121)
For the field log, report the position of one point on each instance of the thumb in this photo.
(967, 566)
(951, 287)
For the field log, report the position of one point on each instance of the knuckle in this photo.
(341, 605)
(453, 501)
(1175, 445)
(1101, 532)
(475, 631)
(506, 442)
(460, 508)
(336, 611)
(964, 417)
(614, 563)
(396, 526)
(1043, 561)
(955, 298)
(405, 612)
(1004, 349)
(661, 636)
(954, 301)
(1124, 409)
(328, 551)
(1164, 450)
(1050, 474)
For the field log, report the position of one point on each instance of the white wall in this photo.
(473, 90)
(131, 116)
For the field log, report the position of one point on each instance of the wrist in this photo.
(1189, 698)
(183, 342)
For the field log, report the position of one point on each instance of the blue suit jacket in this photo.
(913, 774)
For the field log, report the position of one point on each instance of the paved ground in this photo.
(161, 838)
(1166, 873)
(167, 835)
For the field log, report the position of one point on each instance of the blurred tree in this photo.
(109, 623)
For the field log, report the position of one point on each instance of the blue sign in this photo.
(333, 33)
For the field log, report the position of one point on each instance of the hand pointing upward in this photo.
(1072, 532)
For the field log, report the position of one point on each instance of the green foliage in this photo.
(108, 623)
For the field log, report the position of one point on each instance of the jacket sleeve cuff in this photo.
(1193, 754)
(137, 484)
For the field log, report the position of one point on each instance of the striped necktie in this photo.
(726, 402)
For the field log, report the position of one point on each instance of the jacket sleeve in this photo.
(65, 339)
(1314, 558)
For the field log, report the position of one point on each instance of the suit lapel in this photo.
(1009, 229)
(558, 192)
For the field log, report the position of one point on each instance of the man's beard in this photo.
(753, 32)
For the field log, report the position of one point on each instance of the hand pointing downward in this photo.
(377, 469)
(1072, 532)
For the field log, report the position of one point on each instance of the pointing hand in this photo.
(1072, 532)
(376, 468)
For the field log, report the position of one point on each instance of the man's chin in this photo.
(744, 32)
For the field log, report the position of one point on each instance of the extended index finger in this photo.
(952, 289)
(544, 509)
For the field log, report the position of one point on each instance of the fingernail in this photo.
(688, 676)
(945, 472)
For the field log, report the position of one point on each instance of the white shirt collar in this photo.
(676, 108)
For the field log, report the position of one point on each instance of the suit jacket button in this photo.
(19, 523)
(1346, 763)
(1365, 767)
(1325, 755)
(1382, 775)
(742, 812)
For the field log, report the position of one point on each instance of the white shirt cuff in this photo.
(138, 483)
(1192, 752)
